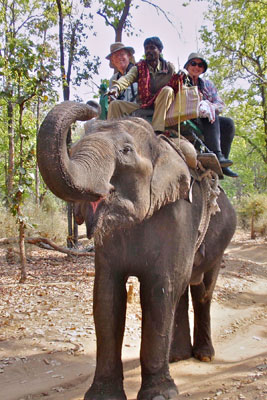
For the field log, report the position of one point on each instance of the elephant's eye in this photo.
(126, 149)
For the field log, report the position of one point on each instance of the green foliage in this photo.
(26, 65)
(252, 171)
(30, 74)
(77, 22)
(113, 10)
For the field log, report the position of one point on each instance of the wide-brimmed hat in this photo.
(119, 46)
(196, 55)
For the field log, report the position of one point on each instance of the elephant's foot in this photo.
(161, 391)
(181, 349)
(180, 355)
(204, 353)
(104, 391)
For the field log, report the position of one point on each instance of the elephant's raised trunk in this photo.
(68, 178)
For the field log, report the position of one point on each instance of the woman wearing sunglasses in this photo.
(218, 131)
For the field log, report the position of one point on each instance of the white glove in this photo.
(182, 72)
(207, 110)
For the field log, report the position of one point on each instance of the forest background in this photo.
(53, 50)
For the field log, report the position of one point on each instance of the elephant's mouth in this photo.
(93, 210)
(95, 204)
(97, 216)
(108, 214)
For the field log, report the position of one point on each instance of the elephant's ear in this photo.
(171, 176)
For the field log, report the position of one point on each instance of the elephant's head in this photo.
(119, 173)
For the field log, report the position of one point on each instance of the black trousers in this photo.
(218, 136)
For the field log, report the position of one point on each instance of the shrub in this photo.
(261, 224)
(8, 226)
(48, 220)
(253, 212)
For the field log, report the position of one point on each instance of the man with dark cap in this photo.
(152, 76)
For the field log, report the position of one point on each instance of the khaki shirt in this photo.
(158, 78)
(126, 80)
(130, 93)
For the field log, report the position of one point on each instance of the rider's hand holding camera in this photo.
(182, 72)
(112, 93)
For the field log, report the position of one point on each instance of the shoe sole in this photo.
(226, 164)
(231, 176)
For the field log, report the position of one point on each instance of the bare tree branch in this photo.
(159, 10)
(30, 18)
(48, 244)
(105, 18)
(124, 18)
(241, 58)
(254, 146)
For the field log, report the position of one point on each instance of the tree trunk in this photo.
(65, 86)
(37, 175)
(11, 146)
(119, 28)
(264, 108)
(66, 96)
(70, 232)
(23, 261)
(252, 227)
(72, 240)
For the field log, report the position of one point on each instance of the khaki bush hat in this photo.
(119, 46)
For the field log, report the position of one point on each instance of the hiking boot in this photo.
(224, 162)
(228, 172)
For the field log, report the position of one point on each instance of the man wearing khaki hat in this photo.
(152, 76)
(122, 59)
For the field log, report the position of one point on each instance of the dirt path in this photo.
(47, 338)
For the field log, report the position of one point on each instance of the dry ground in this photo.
(47, 338)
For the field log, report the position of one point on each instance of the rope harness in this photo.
(210, 190)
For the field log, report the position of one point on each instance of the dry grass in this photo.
(48, 220)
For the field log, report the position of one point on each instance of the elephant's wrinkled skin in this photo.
(132, 191)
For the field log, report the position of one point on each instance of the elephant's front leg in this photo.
(109, 314)
(158, 304)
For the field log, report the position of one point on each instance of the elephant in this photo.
(132, 189)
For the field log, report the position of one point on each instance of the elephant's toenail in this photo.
(159, 398)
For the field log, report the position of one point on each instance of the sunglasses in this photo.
(200, 64)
